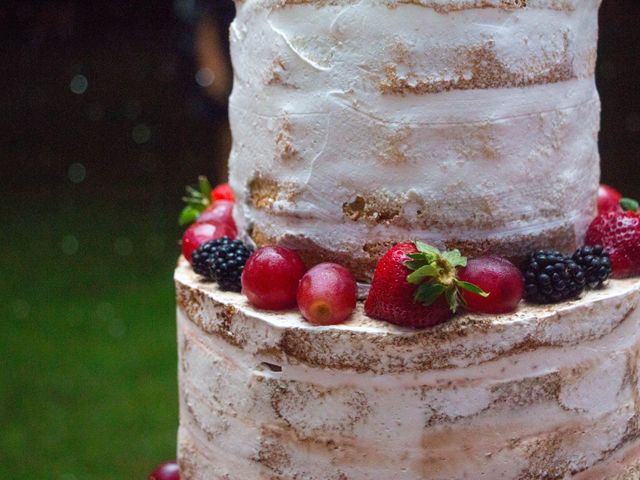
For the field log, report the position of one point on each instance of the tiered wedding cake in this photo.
(362, 123)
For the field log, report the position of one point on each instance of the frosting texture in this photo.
(372, 122)
(546, 393)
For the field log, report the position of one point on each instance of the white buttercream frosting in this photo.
(547, 392)
(466, 124)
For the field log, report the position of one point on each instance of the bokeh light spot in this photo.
(205, 77)
(141, 133)
(79, 84)
(21, 308)
(123, 246)
(77, 172)
(69, 245)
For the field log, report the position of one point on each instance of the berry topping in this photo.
(327, 294)
(221, 211)
(596, 264)
(497, 276)
(611, 200)
(271, 276)
(619, 234)
(222, 192)
(551, 277)
(198, 233)
(415, 285)
(166, 471)
(222, 261)
(608, 199)
(201, 198)
(201, 257)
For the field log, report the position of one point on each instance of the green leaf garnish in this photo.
(434, 273)
(188, 216)
(192, 192)
(193, 201)
(197, 200)
(421, 273)
(451, 294)
(428, 293)
(414, 265)
(425, 248)
(205, 186)
(470, 287)
(455, 258)
(629, 205)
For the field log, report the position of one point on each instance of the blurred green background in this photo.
(102, 125)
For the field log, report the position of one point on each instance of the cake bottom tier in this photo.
(198, 464)
(545, 393)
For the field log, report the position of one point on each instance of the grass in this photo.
(88, 383)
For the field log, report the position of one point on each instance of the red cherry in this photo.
(223, 192)
(608, 199)
(271, 276)
(166, 471)
(327, 294)
(198, 233)
(496, 276)
(221, 212)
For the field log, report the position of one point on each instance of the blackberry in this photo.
(596, 264)
(551, 277)
(200, 258)
(222, 260)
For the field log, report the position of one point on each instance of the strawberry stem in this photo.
(197, 200)
(435, 274)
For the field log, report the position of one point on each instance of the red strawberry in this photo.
(414, 285)
(608, 199)
(223, 192)
(619, 234)
(201, 201)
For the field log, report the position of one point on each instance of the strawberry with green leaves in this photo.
(611, 200)
(212, 211)
(416, 285)
(206, 204)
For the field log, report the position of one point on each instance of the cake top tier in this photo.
(361, 124)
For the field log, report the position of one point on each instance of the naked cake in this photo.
(360, 124)
(467, 124)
